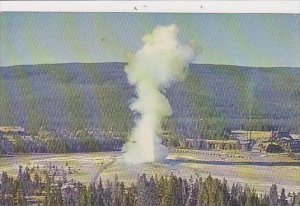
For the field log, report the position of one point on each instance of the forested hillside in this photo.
(98, 95)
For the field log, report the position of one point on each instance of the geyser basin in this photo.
(141, 152)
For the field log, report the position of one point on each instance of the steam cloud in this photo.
(161, 61)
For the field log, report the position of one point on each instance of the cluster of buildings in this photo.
(18, 131)
(6, 138)
(237, 139)
(279, 141)
(203, 144)
(23, 134)
(286, 140)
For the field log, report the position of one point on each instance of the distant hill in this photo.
(98, 95)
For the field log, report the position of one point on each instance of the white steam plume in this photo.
(161, 61)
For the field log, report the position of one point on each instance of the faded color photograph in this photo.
(149, 109)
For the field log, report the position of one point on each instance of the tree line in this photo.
(164, 190)
(59, 145)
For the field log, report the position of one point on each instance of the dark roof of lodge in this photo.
(212, 141)
(22, 133)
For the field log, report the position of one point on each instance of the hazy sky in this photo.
(237, 39)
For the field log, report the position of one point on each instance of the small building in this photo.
(7, 129)
(278, 135)
(245, 145)
(2, 134)
(6, 146)
(203, 144)
(295, 146)
(24, 135)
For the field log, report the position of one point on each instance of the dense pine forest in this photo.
(15, 144)
(212, 97)
(37, 186)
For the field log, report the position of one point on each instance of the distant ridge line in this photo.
(125, 63)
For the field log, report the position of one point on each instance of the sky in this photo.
(260, 40)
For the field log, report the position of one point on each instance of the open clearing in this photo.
(256, 170)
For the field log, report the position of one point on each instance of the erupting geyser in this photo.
(161, 61)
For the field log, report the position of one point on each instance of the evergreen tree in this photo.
(131, 197)
(91, 193)
(185, 191)
(205, 197)
(282, 199)
(273, 195)
(192, 193)
(117, 193)
(142, 187)
(298, 200)
(225, 196)
(233, 196)
(153, 199)
(108, 194)
(252, 199)
(99, 196)
(265, 201)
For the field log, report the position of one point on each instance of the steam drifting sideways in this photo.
(161, 61)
